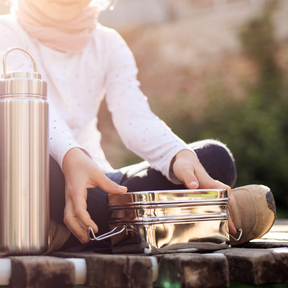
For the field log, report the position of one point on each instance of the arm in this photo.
(61, 138)
(144, 133)
(79, 170)
(139, 128)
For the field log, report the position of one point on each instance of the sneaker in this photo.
(253, 211)
(58, 235)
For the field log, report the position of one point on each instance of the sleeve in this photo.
(61, 139)
(139, 128)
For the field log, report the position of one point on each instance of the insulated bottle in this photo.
(24, 161)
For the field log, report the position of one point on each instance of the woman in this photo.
(82, 61)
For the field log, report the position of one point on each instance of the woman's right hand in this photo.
(81, 173)
(188, 169)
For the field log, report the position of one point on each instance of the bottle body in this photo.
(24, 174)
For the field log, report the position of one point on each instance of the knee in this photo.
(218, 161)
(220, 150)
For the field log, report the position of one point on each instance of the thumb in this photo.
(232, 229)
(189, 179)
(110, 186)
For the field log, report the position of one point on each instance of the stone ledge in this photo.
(41, 271)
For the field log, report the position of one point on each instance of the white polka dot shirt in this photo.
(78, 82)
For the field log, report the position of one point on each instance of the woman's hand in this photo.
(188, 169)
(81, 173)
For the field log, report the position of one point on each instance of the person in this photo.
(83, 62)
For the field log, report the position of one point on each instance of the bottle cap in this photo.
(21, 83)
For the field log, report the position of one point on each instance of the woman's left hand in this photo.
(81, 173)
(188, 169)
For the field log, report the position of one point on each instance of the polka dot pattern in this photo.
(77, 83)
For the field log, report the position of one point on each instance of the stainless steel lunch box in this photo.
(163, 221)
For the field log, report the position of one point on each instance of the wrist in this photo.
(185, 153)
(71, 157)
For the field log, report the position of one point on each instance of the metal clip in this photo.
(239, 230)
(130, 228)
(240, 235)
(104, 236)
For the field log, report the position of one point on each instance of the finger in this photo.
(74, 224)
(211, 183)
(189, 179)
(77, 205)
(207, 182)
(232, 229)
(109, 186)
(220, 185)
(80, 209)
(184, 171)
(78, 230)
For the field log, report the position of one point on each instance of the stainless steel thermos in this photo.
(24, 161)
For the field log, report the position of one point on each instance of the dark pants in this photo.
(214, 156)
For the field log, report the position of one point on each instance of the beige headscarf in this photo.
(67, 36)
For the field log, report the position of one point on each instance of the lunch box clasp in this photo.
(240, 231)
(113, 232)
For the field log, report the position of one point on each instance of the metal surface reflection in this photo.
(24, 158)
(166, 218)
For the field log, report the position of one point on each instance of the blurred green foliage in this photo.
(255, 128)
(237, 285)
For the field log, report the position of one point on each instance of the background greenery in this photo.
(254, 127)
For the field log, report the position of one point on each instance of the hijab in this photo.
(68, 35)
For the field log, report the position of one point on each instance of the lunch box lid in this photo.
(168, 197)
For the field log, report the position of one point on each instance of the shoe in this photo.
(253, 210)
(58, 235)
